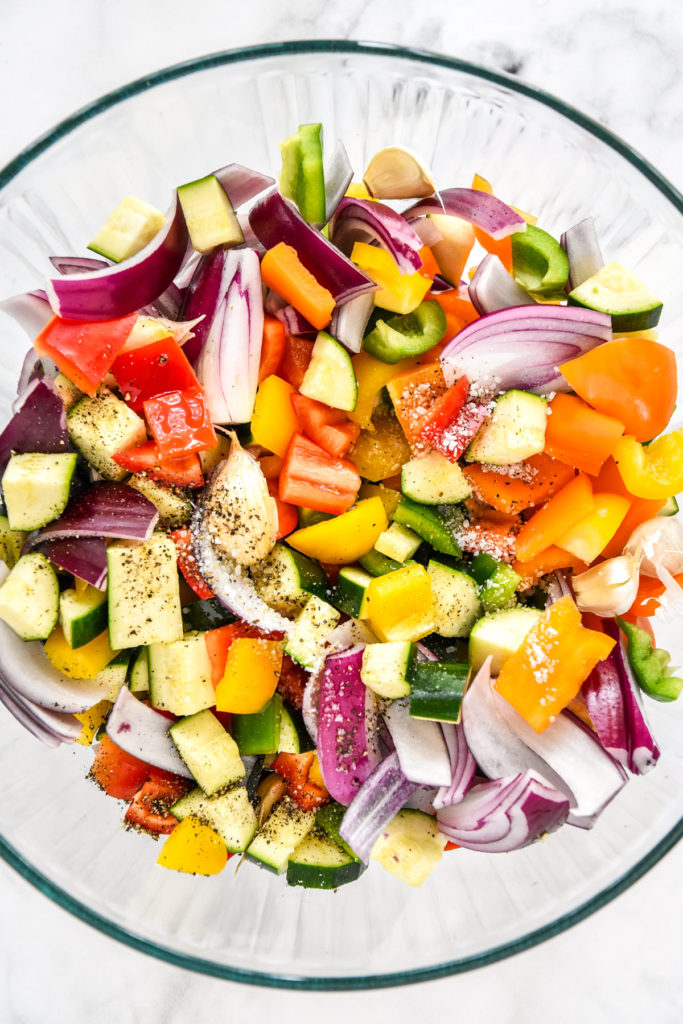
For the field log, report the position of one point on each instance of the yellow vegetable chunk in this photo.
(344, 538)
(590, 536)
(400, 604)
(91, 720)
(194, 848)
(274, 422)
(80, 662)
(251, 673)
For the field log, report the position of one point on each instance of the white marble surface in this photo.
(620, 63)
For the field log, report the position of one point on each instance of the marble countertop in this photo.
(619, 63)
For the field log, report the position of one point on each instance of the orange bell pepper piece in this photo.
(567, 507)
(633, 379)
(578, 435)
(640, 510)
(550, 560)
(546, 673)
(251, 673)
(272, 346)
(283, 271)
(513, 494)
(412, 394)
(589, 537)
(503, 248)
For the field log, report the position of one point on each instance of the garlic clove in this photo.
(397, 173)
(659, 544)
(609, 588)
(238, 513)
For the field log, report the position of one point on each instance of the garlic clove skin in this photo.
(659, 544)
(397, 173)
(609, 588)
(238, 513)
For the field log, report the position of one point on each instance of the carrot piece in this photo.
(578, 435)
(563, 510)
(537, 481)
(547, 671)
(283, 271)
(413, 394)
(297, 356)
(550, 560)
(272, 347)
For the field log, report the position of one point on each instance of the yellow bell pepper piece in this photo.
(82, 662)
(91, 720)
(344, 538)
(398, 293)
(251, 673)
(590, 536)
(400, 605)
(80, 586)
(274, 422)
(357, 190)
(380, 451)
(387, 495)
(315, 775)
(652, 471)
(194, 848)
(371, 376)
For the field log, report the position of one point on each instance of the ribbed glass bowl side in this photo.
(60, 831)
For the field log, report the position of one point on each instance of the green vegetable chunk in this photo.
(650, 664)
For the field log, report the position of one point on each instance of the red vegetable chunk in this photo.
(154, 369)
(179, 421)
(83, 351)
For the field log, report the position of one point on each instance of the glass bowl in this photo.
(174, 126)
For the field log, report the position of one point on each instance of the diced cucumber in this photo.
(36, 488)
(127, 230)
(456, 600)
(385, 668)
(350, 593)
(67, 391)
(499, 589)
(29, 597)
(180, 675)
(378, 564)
(434, 480)
(82, 615)
(210, 218)
(318, 863)
(174, 506)
(310, 629)
(139, 674)
(285, 579)
(539, 263)
(114, 676)
(514, 431)
(618, 292)
(206, 614)
(500, 634)
(437, 689)
(670, 509)
(282, 832)
(329, 818)
(101, 426)
(294, 736)
(259, 733)
(330, 376)
(144, 599)
(11, 543)
(398, 543)
(230, 814)
(209, 752)
(410, 846)
(409, 334)
(429, 524)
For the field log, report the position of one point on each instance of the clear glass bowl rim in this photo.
(533, 938)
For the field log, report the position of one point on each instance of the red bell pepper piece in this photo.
(119, 774)
(218, 642)
(294, 769)
(179, 422)
(184, 471)
(149, 808)
(84, 352)
(153, 369)
(272, 347)
(452, 421)
(295, 360)
(292, 681)
(330, 428)
(188, 565)
(287, 515)
(312, 478)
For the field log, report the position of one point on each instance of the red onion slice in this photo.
(38, 425)
(363, 220)
(420, 745)
(463, 766)
(242, 183)
(143, 732)
(380, 797)
(77, 264)
(105, 509)
(482, 209)
(492, 288)
(31, 310)
(349, 322)
(643, 752)
(84, 557)
(116, 291)
(338, 177)
(581, 245)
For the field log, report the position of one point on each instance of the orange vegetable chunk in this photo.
(538, 479)
(283, 271)
(578, 435)
(546, 673)
(567, 507)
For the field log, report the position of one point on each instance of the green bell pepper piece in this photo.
(539, 263)
(650, 664)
